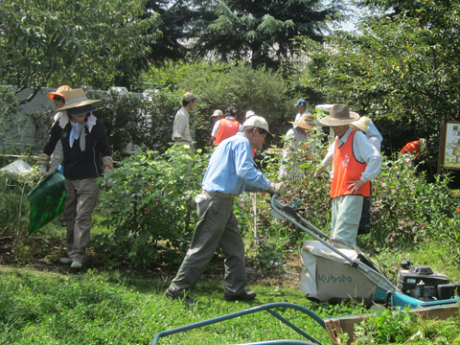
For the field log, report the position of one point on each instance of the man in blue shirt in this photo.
(230, 172)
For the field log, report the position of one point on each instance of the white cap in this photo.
(217, 112)
(258, 122)
(250, 113)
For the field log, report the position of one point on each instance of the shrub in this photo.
(148, 209)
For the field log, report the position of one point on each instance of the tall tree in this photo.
(259, 30)
(176, 17)
(74, 42)
(399, 67)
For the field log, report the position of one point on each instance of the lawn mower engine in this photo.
(422, 283)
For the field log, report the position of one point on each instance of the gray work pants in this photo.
(80, 201)
(217, 226)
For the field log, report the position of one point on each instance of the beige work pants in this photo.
(80, 201)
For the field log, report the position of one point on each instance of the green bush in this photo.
(386, 327)
(145, 120)
(148, 209)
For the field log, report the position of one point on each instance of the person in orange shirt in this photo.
(227, 127)
(355, 161)
(414, 150)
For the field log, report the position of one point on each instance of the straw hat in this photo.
(362, 124)
(77, 98)
(217, 112)
(59, 92)
(307, 121)
(339, 115)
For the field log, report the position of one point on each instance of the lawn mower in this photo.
(335, 271)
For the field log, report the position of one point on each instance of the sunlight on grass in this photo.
(107, 308)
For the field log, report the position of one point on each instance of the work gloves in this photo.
(43, 162)
(108, 181)
(107, 171)
(277, 188)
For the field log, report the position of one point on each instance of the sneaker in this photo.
(247, 296)
(180, 296)
(65, 261)
(76, 264)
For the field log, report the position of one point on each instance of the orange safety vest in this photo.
(346, 169)
(228, 128)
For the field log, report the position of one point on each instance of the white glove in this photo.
(319, 171)
(43, 169)
(108, 181)
(277, 188)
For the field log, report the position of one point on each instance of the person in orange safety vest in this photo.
(355, 162)
(227, 127)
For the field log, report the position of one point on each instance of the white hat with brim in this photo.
(217, 112)
(362, 124)
(249, 113)
(258, 122)
(307, 121)
(339, 115)
(77, 98)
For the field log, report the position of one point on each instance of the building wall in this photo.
(25, 137)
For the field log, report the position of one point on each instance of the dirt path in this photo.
(39, 254)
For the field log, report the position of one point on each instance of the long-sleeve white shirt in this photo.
(363, 151)
(181, 127)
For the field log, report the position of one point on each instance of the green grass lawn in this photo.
(99, 307)
(105, 308)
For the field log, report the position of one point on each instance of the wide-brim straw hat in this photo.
(77, 98)
(59, 92)
(307, 121)
(362, 124)
(339, 115)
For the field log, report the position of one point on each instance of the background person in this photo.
(366, 125)
(216, 116)
(181, 126)
(298, 135)
(230, 172)
(227, 127)
(84, 142)
(301, 108)
(58, 99)
(355, 161)
(414, 150)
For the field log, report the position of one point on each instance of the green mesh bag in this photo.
(46, 201)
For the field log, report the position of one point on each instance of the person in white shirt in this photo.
(181, 127)
(301, 108)
(366, 125)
